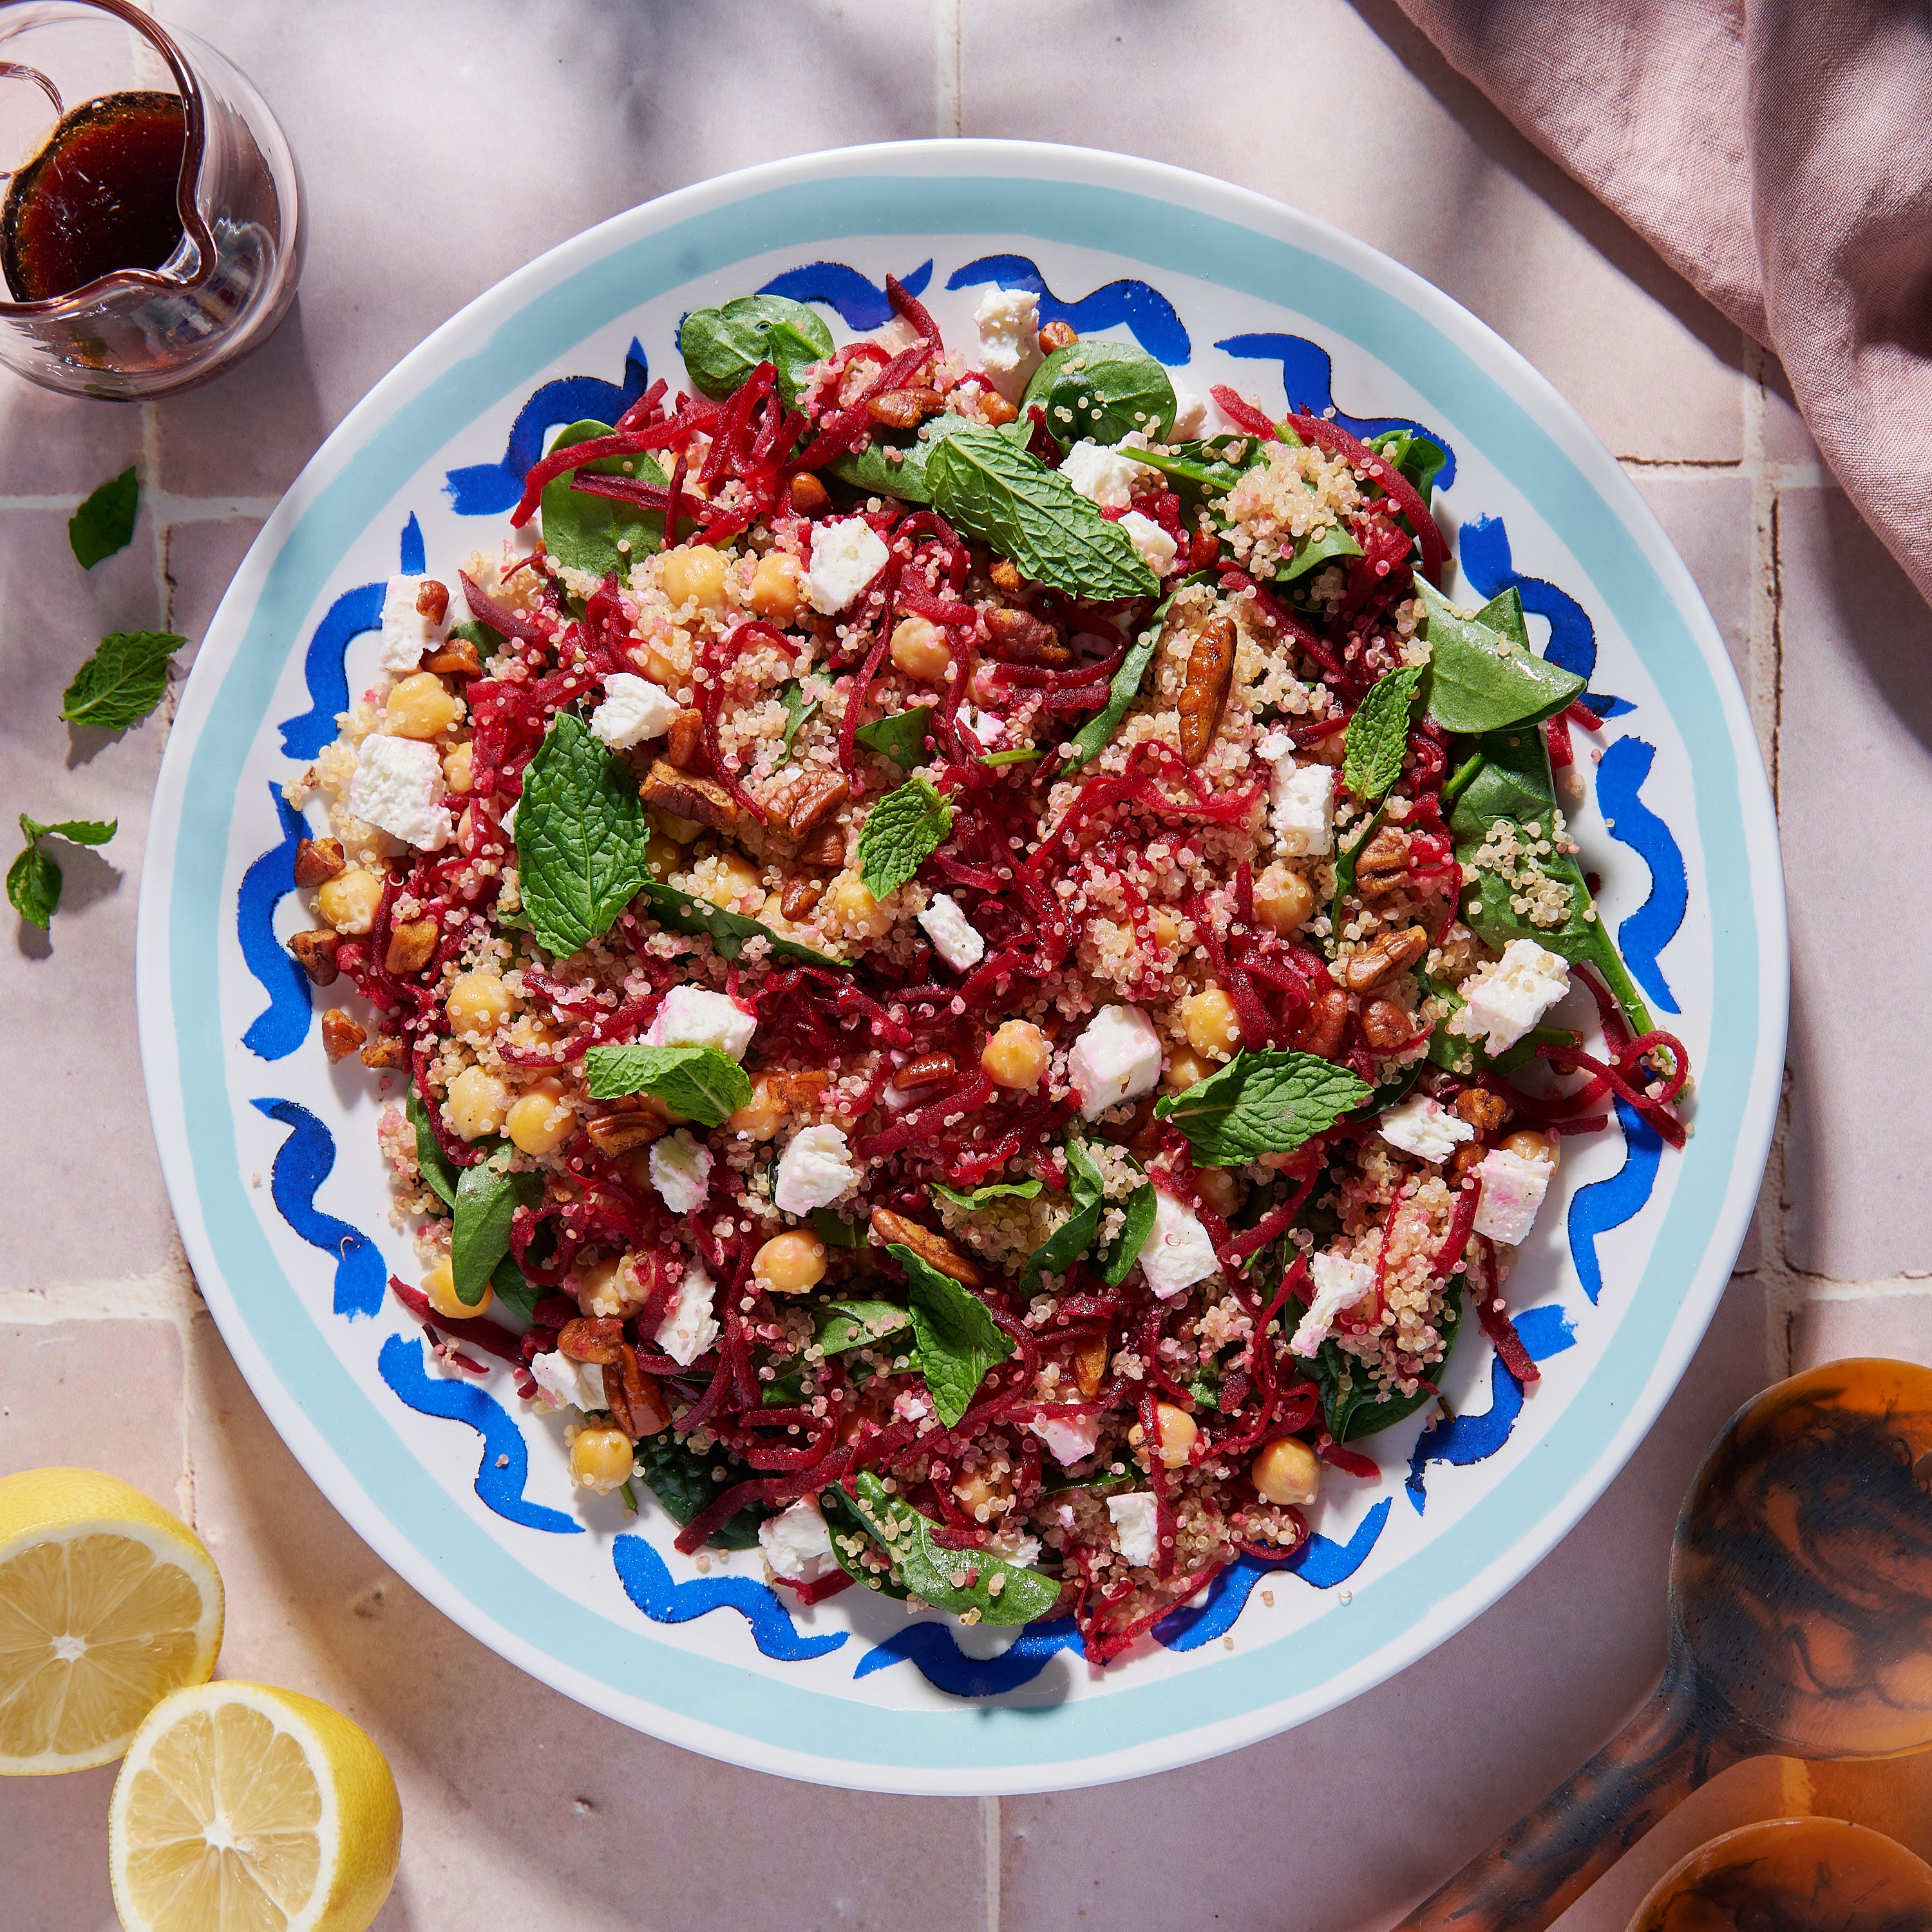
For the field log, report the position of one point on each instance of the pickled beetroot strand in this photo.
(1332, 437)
(643, 412)
(913, 1127)
(479, 1333)
(838, 433)
(1243, 414)
(499, 616)
(910, 308)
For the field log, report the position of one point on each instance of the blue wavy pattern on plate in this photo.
(1485, 550)
(488, 489)
(941, 1660)
(506, 1467)
(1307, 376)
(647, 1582)
(858, 301)
(1147, 314)
(302, 1163)
(1604, 1204)
(1647, 931)
(1468, 1438)
(283, 1025)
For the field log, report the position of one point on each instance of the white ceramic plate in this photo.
(270, 1155)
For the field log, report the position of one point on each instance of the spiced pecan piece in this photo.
(809, 497)
(1058, 335)
(386, 1049)
(926, 1071)
(433, 600)
(1090, 1366)
(636, 1403)
(995, 409)
(1018, 637)
(315, 953)
(1007, 578)
(824, 851)
(455, 657)
(931, 1247)
(1378, 963)
(1484, 1111)
(1204, 695)
(1385, 1026)
(341, 1035)
(684, 796)
(800, 893)
(1328, 1022)
(904, 409)
(684, 742)
(317, 860)
(800, 807)
(624, 1129)
(1383, 868)
(591, 1338)
(412, 946)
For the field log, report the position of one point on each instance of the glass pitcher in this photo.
(137, 331)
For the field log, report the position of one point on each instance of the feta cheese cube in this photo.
(634, 708)
(579, 1384)
(681, 1171)
(1136, 1525)
(814, 1170)
(797, 1543)
(1504, 1001)
(398, 789)
(1072, 1440)
(1116, 1058)
(1512, 1190)
(954, 937)
(406, 632)
(1156, 546)
(1302, 801)
(1178, 1252)
(846, 555)
(1190, 412)
(1339, 1283)
(1424, 1128)
(695, 1016)
(1008, 320)
(1104, 476)
(690, 1328)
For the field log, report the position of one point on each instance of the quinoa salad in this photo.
(968, 948)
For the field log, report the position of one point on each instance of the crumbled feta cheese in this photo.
(579, 1384)
(1178, 1252)
(1302, 798)
(1071, 1441)
(1339, 1283)
(1008, 320)
(1273, 746)
(909, 1405)
(1504, 1001)
(509, 820)
(814, 1170)
(1512, 1190)
(634, 708)
(1423, 1127)
(846, 555)
(693, 1016)
(1116, 1058)
(406, 632)
(681, 1171)
(1190, 412)
(1156, 546)
(690, 1328)
(1015, 1547)
(983, 1641)
(1104, 476)
(797, 1543)
(1136, 1519)
(983, 725)
(954, 937)
(398, 789)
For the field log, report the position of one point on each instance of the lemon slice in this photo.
(107, 1603)
(242, 1808)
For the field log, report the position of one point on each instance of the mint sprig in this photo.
(958, 1341)
(699, 1082)
(34, 880)
(1378, 735)
(1266, 1103)
(122, 682)
(903, 830)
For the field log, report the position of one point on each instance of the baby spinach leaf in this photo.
(514, 1290)
(1054, 1481)
(581, 836)
(958, 1341)
(848, 1527)
(987, 486)
(1349, 1406)
(722, 346)
(1262, 1103)
(835, 1230)
(34, 880)
(105, 522)
(1419, 457)
(901, 832)
(486, 1199)
(1100, 391)
(1476, 684)
(709, 1086)
(1379, 735)
(902, 739)
(840, 1325)
(440, 1175)
(122, 682)
(997, 1190)
(953, 1580)
(584, 532)
(798, 708)
(488, 642)
(1196, 467)
(728, 931)
(687, 1484)
(1087, 1196)
(1125, 1251)
(1331, 541)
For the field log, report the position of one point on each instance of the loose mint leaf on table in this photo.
(997, 1190)
(1265, 1102)
(34, 880)
(486, 1199)
(583, 531)
(440, 1175)
(840, 1325)
(728, 931)
(902, 739)
(722, 346)
(1480, 681)
(709, 1086)
(986, 485)
(105, 523)
(798, 708)
(1379, 735)
(1100, 391)
(958, 1341)
(122, 682)
(903, 830)
(953, 1580)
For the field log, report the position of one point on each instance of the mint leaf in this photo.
(122, 682)
(841, 1325)
(1476, 683)
(958, 1341)
(486, 1199)
(75, 831)
(583, 531)
(709, 1086)
(105, 523)
(1101, 390)
(835, 1230)
(34, 880)
(903, 830)
(1071, 1239)
(728, 931)
(987, 486)
(1123, 1254)
(798, 708)
(1379, 735)
(581, 837)
(439, 1174)
(1266, 1103)
(998, 1190)
(902, 739)
(953, 1580)
(722, 346)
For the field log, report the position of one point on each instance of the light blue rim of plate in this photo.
(853, 1741)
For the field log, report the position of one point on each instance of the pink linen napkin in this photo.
(1779, 157)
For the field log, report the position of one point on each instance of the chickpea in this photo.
(608, 1287)
(696, 570)
(1286, 1471)
(1185, 1069)
(1166, 929)
(1177, 1431)
(459, 766)
(419, 707)
(984, 1496)
(662, 670)
(919, 649)
(762, 1114)
(775, 587)
(540, 1119)
(734, 880)
(477, 1102)
(1284, 900)
(349, 901)
(789, 1263)
(1213, 1027)
(1016, 1056)
(663, 855)
(1218, 1188)
(440, 1285)
(1526, 1144)
(478, 1004)
(533, 1029)
(600, 1460)
(853, 907)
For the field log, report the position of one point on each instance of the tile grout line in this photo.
(949, 115)
(989, 1847)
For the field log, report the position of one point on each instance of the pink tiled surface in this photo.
(443, 144)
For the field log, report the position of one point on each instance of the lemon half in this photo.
(107, 1603)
